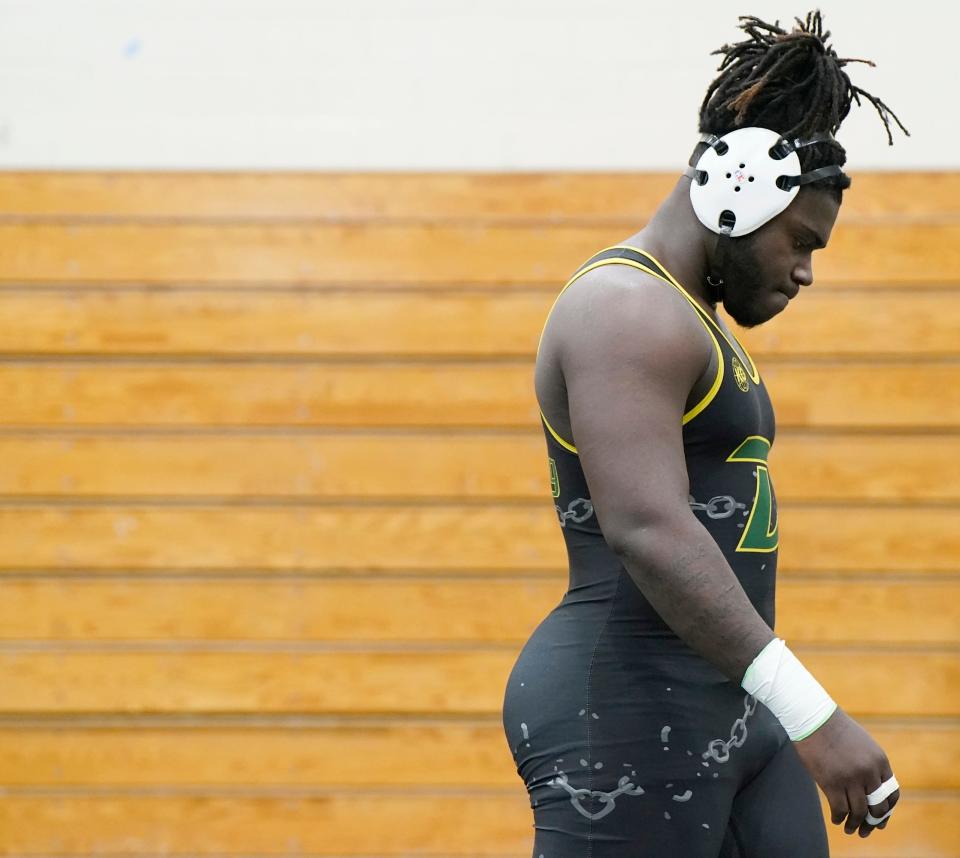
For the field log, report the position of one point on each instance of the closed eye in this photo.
(809, 240)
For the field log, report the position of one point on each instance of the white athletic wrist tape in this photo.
(778, 680)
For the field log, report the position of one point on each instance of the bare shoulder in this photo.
(618, 313)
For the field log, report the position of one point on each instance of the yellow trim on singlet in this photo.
(671, 281)
(553, 432)
(568, 284)
(754, 372)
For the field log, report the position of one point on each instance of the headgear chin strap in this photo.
(744, 179)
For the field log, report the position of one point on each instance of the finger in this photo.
(866, 829)
(857, 799)
(838, 806)
(892, 800)
(882, 795)
(879, 809)
(877, 818)
(883, 790)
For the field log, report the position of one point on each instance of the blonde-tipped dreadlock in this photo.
(792, 83)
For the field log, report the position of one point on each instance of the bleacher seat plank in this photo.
(861, 394)
(385, 753)
(594, 196)
(391, 680)
(805, 466)
(332, 823)
(344, 253)
(849, 467)
(448, 538)
(857, 395)
(81, 321)
(439, 611)
(443, 824)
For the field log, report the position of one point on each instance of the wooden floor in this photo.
(257, 594)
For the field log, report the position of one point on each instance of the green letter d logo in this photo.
(760, 534)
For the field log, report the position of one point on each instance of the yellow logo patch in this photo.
(740, 375)
(554, 478)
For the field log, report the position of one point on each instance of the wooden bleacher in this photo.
(257, 596)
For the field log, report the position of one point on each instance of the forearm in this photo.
(681, 571)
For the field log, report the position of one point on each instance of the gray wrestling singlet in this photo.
(631, 744)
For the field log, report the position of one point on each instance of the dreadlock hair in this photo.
(792, 83)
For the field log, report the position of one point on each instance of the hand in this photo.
(848, 765)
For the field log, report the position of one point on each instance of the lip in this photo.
(792, 292)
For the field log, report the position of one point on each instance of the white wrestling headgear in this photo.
(747, 177)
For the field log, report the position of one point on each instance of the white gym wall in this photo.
(427, 84)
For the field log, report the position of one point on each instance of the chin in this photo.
(745, 318)
(755, 314)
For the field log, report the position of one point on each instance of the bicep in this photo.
(628, 379)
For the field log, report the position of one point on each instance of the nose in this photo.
(803, 274)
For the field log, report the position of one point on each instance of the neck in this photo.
(677, 238)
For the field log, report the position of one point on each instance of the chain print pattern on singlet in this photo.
(608, 799)
(577, 511)
(717, 750)
(721, 506)
(720, 749)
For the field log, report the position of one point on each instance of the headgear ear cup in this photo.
(747, 177)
